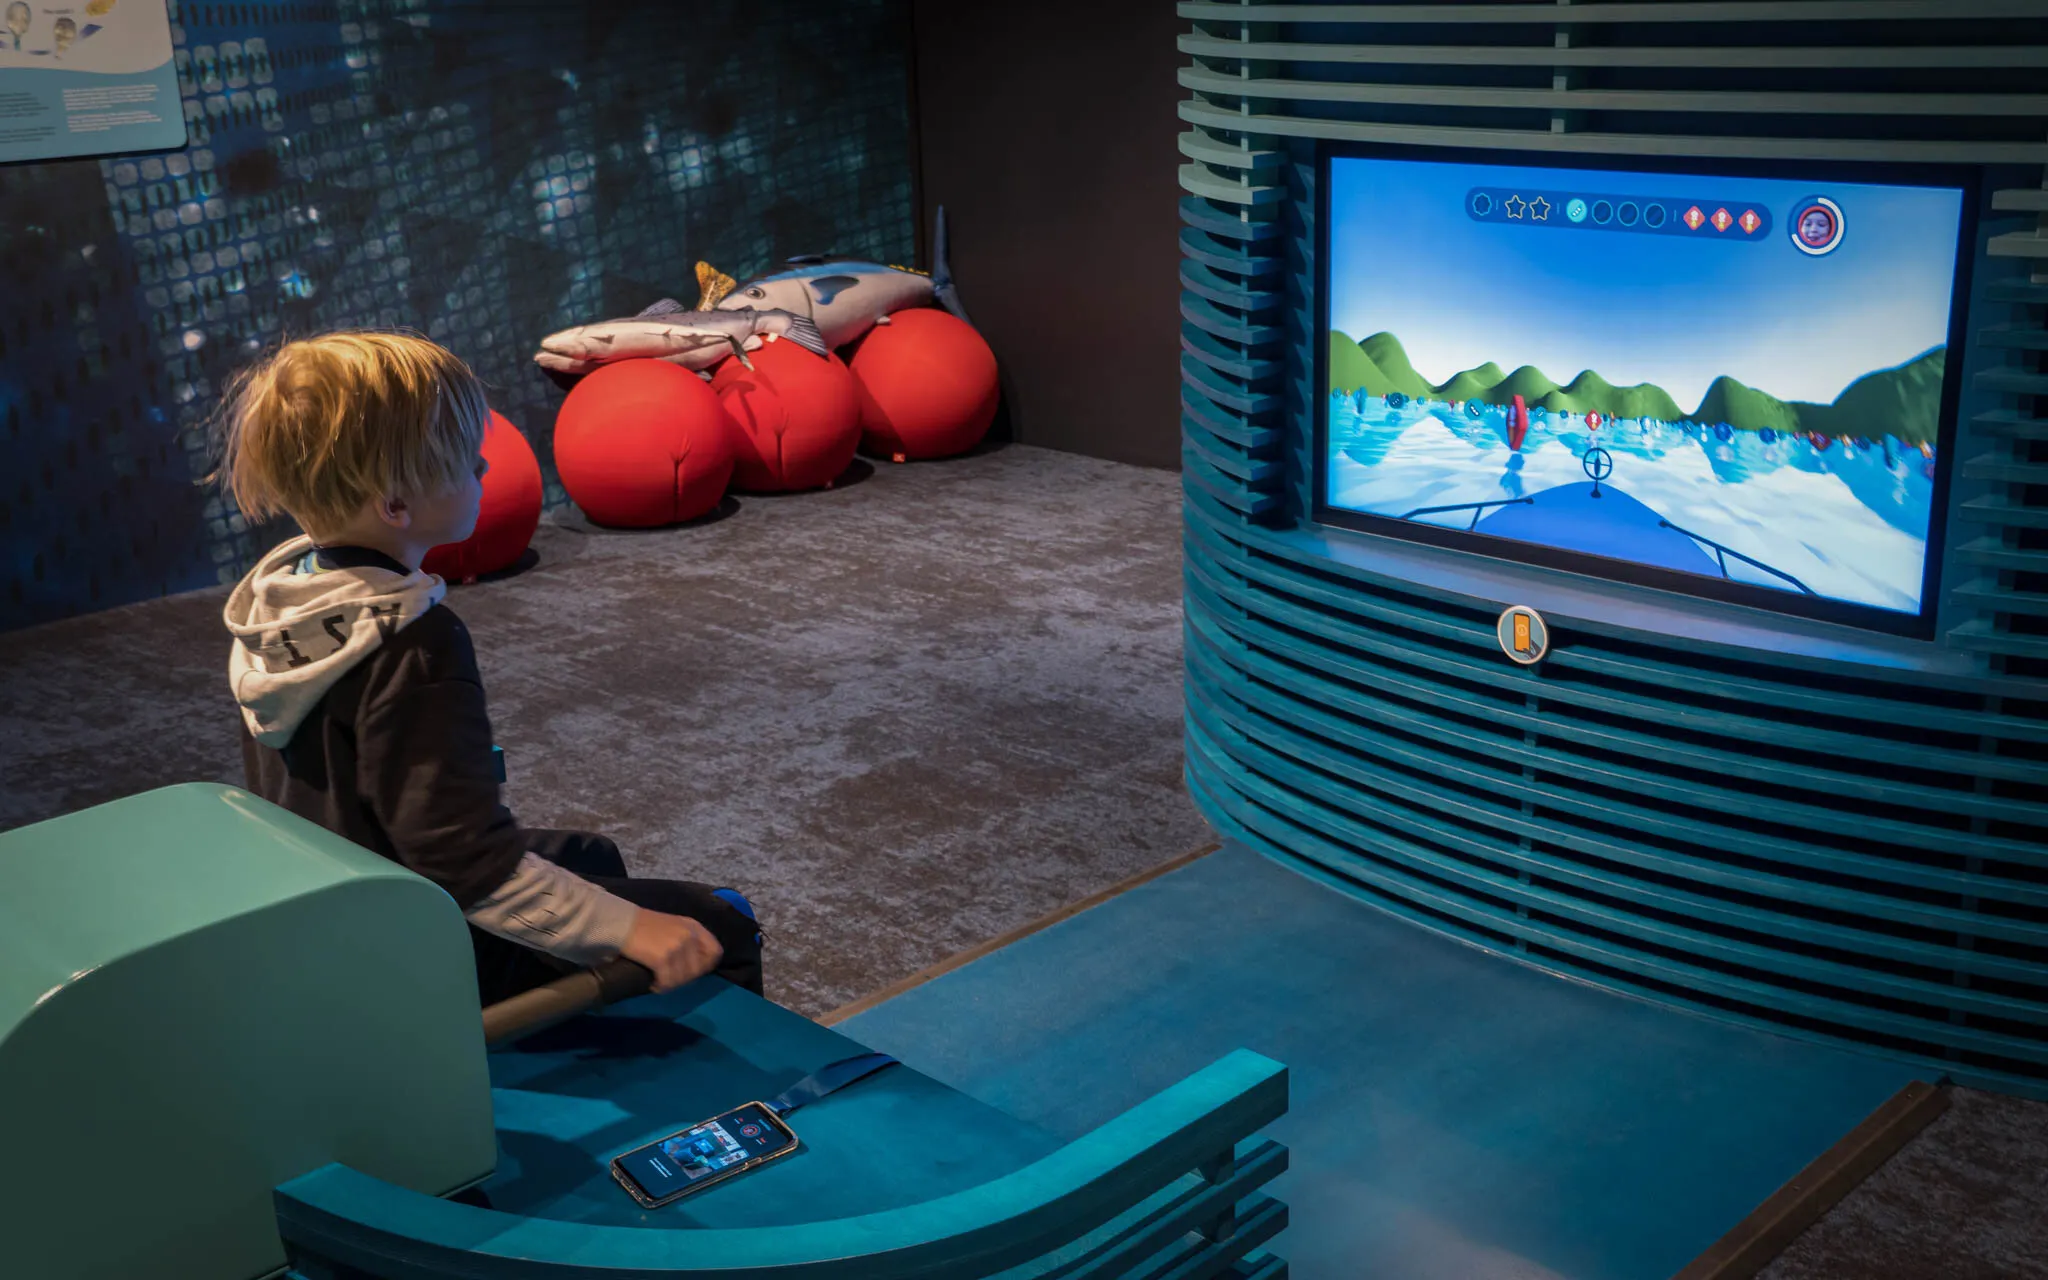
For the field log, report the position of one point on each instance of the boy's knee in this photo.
(744, 925)
(603, 857)
(737, 901)
(585, 853)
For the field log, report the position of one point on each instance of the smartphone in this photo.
(702, 1155)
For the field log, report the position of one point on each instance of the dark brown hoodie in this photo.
(363, 711)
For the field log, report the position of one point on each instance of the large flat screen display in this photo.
(1737, 386)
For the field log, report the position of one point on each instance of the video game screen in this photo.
(1735, 378)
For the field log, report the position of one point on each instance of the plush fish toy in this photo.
(844, 297)
(695, 340)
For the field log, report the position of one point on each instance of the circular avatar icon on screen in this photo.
(1817, 225)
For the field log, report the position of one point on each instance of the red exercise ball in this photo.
(642, 443)
(927, 385)
(508, 515)
(798, 418)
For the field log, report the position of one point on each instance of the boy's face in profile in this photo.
(450, 515)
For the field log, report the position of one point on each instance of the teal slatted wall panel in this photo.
(1854, 852)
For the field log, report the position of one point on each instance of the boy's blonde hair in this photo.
(325, 424)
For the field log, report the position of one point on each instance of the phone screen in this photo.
(698, 1156)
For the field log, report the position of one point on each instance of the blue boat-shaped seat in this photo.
(897, 1176)
(279, 1031)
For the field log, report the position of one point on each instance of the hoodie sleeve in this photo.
(555, 910)
(424, 756)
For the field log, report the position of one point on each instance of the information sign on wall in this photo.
(88, 78)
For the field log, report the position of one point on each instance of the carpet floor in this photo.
(903, 715)
(906, 715)
(1967, 1199)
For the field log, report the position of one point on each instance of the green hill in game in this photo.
(1387, 354)
(1739, 406)
(1909, 395)
(1353, 368)
(1527, 382)
(1591, 391)
(1473, 384)
(1904, 402)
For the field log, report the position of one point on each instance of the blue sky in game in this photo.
(1677, 311)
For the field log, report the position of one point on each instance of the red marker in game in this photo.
(1592, 422)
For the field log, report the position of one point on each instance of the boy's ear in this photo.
(392, 510)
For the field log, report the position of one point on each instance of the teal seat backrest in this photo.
(203, 996)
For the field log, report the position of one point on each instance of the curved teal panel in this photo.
(1596, 827)
(1822, 836)
(1153, 1180)
(1205, 315)
(1221, 255)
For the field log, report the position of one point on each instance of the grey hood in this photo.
(299, 628)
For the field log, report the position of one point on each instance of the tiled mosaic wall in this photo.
(483, 172)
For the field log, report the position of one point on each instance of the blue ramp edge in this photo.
(1454, 1113)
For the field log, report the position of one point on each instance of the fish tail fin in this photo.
(942, 273)
(714, 286)
(804, 332)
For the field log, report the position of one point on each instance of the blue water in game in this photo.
(1848, 521)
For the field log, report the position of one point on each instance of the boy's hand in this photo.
(676, 949)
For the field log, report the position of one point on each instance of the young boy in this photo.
(362, 708)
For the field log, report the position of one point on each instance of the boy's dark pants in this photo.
(504, 968)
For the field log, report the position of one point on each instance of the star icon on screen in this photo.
(1515, 206)
(1539, 209)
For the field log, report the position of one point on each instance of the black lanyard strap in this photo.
(829, 1078)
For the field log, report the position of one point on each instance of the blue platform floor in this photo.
(1455, 1115)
